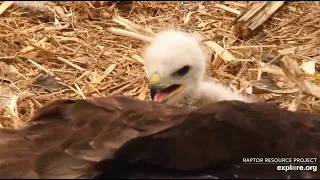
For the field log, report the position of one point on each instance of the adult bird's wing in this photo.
(69, 137)
(222, 134)
(79, 139)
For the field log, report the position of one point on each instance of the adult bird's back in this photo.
(122, 137)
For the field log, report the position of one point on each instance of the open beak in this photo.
(153, 91)
(155, 85)
(161, 93)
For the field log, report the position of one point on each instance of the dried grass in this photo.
(85, 49)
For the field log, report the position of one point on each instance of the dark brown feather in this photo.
(224, 133)
(68, 133)
(99, 137)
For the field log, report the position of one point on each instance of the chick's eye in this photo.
(182, 71)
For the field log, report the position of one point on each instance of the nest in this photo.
(93, 49)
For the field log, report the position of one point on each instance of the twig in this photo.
(131, 26)
(13, 111)
(43, 69)
(257, 46)
(31, 48)
(49, 51)
(5, 5)
(79, 91)
(233, 3)
(129, 34)
(71, 64)
(226, 8)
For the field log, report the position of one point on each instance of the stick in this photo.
(129, 34)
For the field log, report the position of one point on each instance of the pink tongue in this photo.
(159, 97)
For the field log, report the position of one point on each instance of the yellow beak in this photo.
(156, 80)
(156, 85)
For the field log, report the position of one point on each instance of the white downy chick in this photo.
(175, 66)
